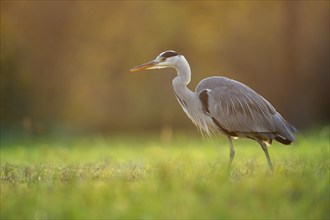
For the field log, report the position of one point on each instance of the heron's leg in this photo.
(265, 149)
(232, 151)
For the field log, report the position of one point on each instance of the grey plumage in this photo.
(225, 106)
(242, 112)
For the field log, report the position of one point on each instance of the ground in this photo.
(143, 176)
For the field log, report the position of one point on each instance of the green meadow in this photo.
(149, 177)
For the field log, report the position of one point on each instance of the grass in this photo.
(144, 177)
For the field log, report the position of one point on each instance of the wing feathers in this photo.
(237, 110)
(237, 107)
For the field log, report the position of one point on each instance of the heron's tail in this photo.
(285, 132)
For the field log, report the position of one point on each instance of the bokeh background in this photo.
(65, 64)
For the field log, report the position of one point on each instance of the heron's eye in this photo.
(162, 59)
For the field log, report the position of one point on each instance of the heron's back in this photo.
(237, 110)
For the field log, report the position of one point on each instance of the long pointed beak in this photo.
(144, 66)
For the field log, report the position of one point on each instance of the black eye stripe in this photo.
(169, 54)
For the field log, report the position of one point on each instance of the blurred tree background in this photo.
(65, 64)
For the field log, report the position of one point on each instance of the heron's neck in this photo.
(183, 70)
(181, 81)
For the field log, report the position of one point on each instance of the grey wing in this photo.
(237, 108)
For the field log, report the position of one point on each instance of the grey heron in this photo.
(225, 106)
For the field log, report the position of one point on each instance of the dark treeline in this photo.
(65, 64)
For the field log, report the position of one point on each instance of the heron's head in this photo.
(166, 59)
